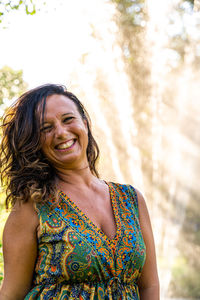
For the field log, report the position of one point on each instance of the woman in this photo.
(70, 235)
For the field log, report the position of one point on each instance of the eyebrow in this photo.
(70, 113)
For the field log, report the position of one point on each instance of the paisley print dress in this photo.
(76, 260)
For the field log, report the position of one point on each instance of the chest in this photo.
(98, 209)
(86, 253)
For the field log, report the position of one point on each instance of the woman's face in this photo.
(64, 134)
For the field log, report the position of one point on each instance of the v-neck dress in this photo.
(76, 260)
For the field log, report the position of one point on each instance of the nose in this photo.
(60, 131)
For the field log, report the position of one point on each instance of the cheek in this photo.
(86, 140)
(84, 132)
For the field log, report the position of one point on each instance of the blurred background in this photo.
(136, 67)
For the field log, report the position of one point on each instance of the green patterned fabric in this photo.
(76, 260)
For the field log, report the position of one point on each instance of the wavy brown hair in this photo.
(25, 171)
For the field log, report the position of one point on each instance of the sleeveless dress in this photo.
(76, 260)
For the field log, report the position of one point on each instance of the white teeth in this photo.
(65, 145)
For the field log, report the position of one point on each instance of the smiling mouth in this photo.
(66, 145)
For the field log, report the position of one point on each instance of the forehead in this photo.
(59, 104)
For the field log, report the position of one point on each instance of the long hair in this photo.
(25, 171)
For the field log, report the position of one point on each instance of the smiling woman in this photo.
(23, 132)
(64, 134)
(69, 235)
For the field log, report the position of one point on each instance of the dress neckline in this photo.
(80, 213)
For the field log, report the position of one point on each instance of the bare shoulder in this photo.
(148, 282)
(19, 251)
(140, 197)
(22, 217)
(143, 211)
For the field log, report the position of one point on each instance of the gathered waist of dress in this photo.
(112, 288)
(107, 282)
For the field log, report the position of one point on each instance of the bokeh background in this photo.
(136, 66)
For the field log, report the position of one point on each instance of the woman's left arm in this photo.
(148, 282)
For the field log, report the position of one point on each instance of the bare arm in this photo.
(20, 252)
(149, 282)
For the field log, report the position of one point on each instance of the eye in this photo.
(67, 119)
(46, 128)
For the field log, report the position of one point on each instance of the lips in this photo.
(65, 145)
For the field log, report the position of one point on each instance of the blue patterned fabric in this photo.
(76, 260)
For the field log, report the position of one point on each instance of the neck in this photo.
(75, 177)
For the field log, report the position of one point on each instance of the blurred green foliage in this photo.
(132, 12)
(12, 84)
(186, 268)
(6, 6)
(186, 279)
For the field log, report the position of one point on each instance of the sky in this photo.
(47, 45)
